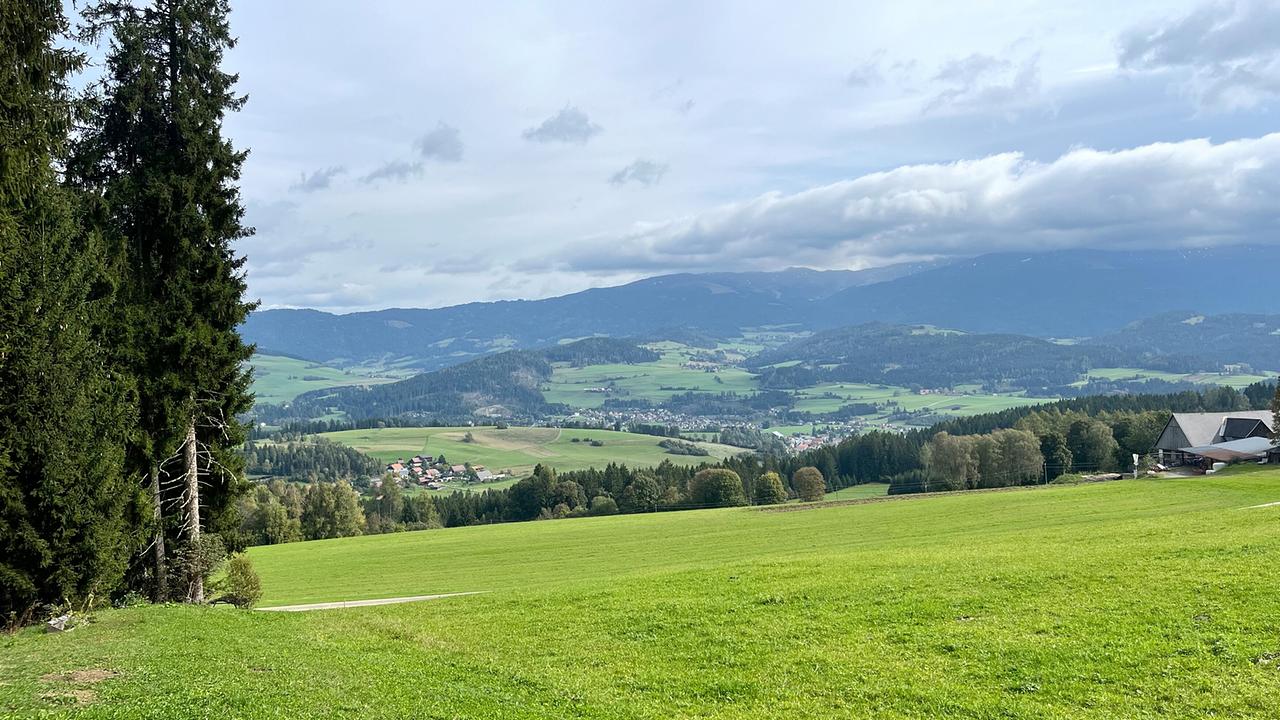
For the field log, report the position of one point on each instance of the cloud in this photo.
(645, 172)
(318, 180)
(396, 170)
(1231, 51)
(1190, 193)
(570, 125)
(868, 73)
(444, 143)
(980, 81)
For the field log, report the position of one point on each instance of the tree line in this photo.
(121, 370)
(315, 460)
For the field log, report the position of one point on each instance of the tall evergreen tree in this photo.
(166, 180)
(64, 500)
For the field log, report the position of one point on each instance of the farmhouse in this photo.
(1222, 437)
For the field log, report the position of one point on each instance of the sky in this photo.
(424, 154)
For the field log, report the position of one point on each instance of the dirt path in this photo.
(364, 603)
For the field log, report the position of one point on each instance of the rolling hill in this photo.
(503, 384)
(1134, 599)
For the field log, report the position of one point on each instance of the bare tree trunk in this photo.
(192, 520)
(161, 590)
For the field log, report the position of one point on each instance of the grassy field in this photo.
(859, 492)
(519, 449)
(816, 400)
(644, 381)
(1133, 599)
(1235, 381)
(279, 379)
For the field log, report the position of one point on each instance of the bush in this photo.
(809, 484)
(603, 505)
(682, 447)
(717, 487)
(769, 489)
(911, 481)
(241, 587)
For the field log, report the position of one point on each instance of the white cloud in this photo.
(444, 143)
(318, 180)
(396, 170)
(1229, 51)
(570, 125)
(644, 172)
(1188, 193)
(980, 81)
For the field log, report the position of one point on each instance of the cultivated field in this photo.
(279, 379)
(1235, 381)
(1133, 599)
(966, 401)
(655, 381)
(519, 448)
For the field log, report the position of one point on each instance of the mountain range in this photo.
(1057, 294)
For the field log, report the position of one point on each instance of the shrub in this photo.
(717, 487)
(241, 587)
(769, 490)
(603, 505)
(809, 484)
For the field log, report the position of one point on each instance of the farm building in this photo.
(1192, 437)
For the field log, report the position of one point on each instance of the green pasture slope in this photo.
(1131, 599)
(830, 397)
(520, 448)
(278, 379)
(644, 381)
(1238, 381)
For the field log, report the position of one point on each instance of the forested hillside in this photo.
(900, 355)
(1190, 342)
(504, 384)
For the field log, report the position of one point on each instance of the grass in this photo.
(1132, 599)
(971, 403)
(644, 381)
(518, 449)
(278, 379)
(859, 492)
(1230, 380)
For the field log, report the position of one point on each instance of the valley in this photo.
(514, 451)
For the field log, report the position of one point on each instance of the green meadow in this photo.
(1130, 599)
(655, 381)
(830, 397)
(278, 379)
(1237, 381)
(518, 449)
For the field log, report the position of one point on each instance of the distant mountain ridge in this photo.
(715, 303)
(1066, 293)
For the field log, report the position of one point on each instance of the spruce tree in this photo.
(166, 183)
(64, 413)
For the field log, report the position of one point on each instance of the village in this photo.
(432, 473)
